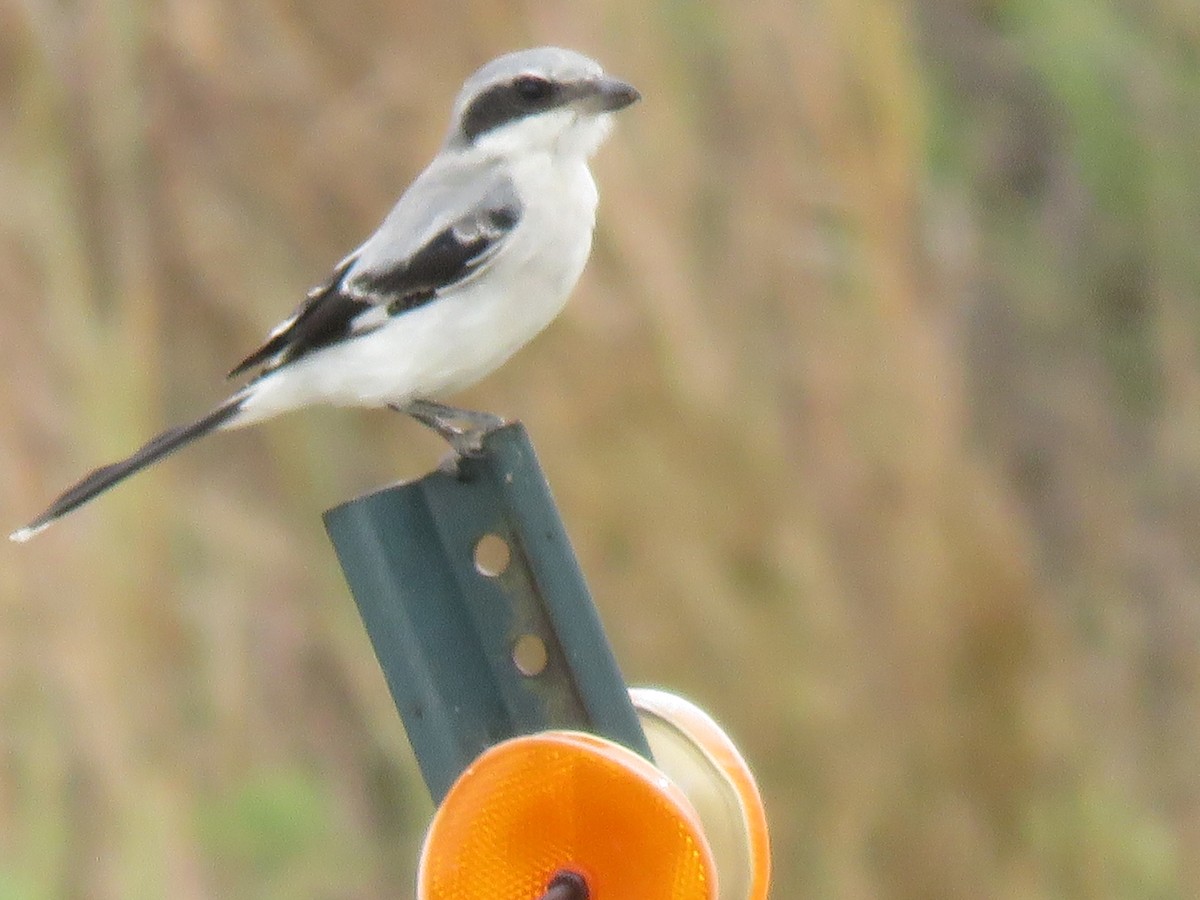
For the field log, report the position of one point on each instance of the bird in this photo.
(478, 255)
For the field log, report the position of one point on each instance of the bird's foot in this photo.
(462, 429)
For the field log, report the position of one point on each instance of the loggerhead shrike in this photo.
(476, 258)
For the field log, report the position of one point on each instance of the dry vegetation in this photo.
(876, 423)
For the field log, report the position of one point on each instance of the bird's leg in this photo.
(462, 429)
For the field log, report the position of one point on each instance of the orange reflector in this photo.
(698, 756)
(533, 806)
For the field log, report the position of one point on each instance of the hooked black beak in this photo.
(610, 94)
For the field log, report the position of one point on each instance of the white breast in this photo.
(466, 333)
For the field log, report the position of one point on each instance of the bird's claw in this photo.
(463, 429)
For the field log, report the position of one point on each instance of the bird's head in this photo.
(543, 100)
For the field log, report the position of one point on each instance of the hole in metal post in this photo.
(492, 555)
(529, 655)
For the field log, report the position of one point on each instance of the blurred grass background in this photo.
(876, 423)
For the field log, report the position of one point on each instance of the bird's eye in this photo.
(532, 88)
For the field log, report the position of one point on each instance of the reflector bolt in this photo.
(566, 885)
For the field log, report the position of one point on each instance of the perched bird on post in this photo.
(478, 255)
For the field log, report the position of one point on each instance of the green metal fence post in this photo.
(478, 611)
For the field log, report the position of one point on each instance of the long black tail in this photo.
(102, 479)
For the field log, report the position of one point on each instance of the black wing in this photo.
(348, 303)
